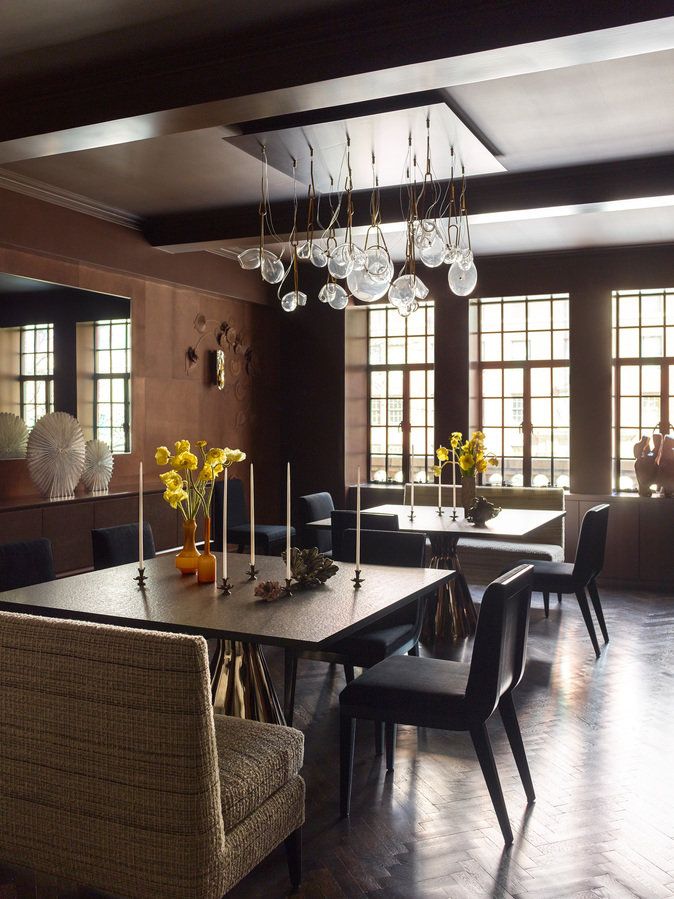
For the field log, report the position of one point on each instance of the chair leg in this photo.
(546, 603)
(378, 737)
(559, 598)
(347, 739)
(390, 730)
(414, 651)
(585, 609)
(596, 602)
(349, 673)
(485, 756)
(289, 681)
(512, 729)
(293, 844)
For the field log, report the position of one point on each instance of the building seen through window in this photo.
(643, 374)
(401, 391)
(523, 375)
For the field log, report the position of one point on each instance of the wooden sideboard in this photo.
(68, 523)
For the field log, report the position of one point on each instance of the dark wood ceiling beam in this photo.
(144, 96)
(575, 185)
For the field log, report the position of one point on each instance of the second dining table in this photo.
(240, 621)
(455, 615)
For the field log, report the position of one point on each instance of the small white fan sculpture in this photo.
(55, 455)
(98, 464)
(13, 436)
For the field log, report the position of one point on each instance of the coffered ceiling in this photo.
(154, 114)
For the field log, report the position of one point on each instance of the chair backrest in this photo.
(406, 549)
(237, 510)
(26, 562)
(341, 519)
(113, 782)
(591, 543)
(314, 507)
(500, 646)
(118, 545)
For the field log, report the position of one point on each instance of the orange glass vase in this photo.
(206, 562)
(188, 557)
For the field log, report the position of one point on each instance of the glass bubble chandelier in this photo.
(436, 233)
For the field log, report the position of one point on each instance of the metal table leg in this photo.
(241, 684)
(455, 616)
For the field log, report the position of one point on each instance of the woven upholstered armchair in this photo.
(115, 773)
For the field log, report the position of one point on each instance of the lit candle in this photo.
(224, 527)
(252, 516)
(358, 519)
(288, 523)
(140, 515)
(412, 481)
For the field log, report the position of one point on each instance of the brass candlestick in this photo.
(226, 586)
(357, 580)
(252, 572)
(286, 590)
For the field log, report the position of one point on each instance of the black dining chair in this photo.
(341, 519)
(315, 507)
(454, 696)
(397, 632)
(270, 539)
(580, 575)
(118, 545)
(26, 562)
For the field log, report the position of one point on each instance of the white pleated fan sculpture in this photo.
(97, 469)
(55, 455)
(13, 436)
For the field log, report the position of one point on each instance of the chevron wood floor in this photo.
(599, 736)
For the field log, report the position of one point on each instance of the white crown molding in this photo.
(47, 193)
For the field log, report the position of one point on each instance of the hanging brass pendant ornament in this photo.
(295, 297)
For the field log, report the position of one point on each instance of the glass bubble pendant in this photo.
(271, 268)
(433, 253)
(249, 259)
(304, 251)
(291, 300)
(462, 281)
(318, 257)
(340, 262)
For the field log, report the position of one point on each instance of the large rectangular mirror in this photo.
(64, 349)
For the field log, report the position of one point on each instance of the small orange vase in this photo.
(206, 562)
(188, 557)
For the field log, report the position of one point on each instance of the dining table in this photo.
(454, 615)
(239, 622)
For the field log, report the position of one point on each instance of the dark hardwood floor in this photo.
(599, 736)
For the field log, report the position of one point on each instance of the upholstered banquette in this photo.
(116, 774)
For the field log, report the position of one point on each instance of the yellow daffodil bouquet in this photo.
(470, 455)
(186, 490)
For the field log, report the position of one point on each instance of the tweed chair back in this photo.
(108, 762)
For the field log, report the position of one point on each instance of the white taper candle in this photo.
(140, 515)
(358, 519)
(288, 523)
(224, 527)
(252, 515)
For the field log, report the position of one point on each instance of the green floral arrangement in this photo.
(186, 490)
(471, 455)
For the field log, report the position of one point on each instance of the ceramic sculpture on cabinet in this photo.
(98, 462)
(55, 455)
(13, 436)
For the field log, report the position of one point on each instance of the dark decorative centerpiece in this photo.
(481, 511)
(309, 567)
